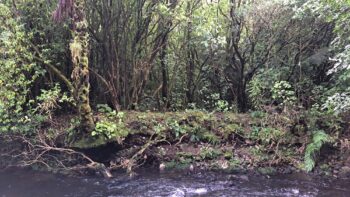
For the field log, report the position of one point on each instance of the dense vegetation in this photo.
(77, 69)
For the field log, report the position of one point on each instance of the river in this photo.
(148, 182)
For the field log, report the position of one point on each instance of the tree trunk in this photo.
(237, 60)
(242, 100)
(79, 51)
(164, 75)
(190, 61)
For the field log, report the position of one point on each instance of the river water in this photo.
(24, 183)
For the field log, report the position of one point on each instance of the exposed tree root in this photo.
(42, 151)
(138, 158)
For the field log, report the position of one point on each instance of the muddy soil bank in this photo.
(260, 142)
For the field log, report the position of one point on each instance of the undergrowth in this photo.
(319, 138)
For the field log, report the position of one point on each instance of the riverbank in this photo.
(262, 142)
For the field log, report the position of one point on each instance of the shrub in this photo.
(111, 126)
(18, 71)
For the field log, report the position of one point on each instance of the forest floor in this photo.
(265, 143)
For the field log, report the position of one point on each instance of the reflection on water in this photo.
(18, 183)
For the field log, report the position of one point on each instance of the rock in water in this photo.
(162, 167)
(191, 168)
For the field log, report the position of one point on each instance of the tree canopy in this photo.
(172, 55)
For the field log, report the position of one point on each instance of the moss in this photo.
(210, 153)
(210, 138)
(89, 142)
(258, 154)
(325, 167)
(184, 155)
(234, 163)
(228, 155)
(184, 158)
(177, 165)
(258, 114)
(170, 165)
(79, 54)
(267, 170)
(227, 129)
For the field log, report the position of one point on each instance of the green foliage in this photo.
(258, 153)
(103, 108)
(17, 73)
(338, 103)
(185, 158)
(336, 13)
(267, 135)
(210, 153)
(192, 31)
(283, 92)
(110, 130)
(256, 89)
(210, 137)
(215, 103)
(190, 126)
(74, 123)
(319, 118)
(319, 138)
(222, 105)
(227, 129)
(50, 100)
(176, 128)
(226, 55)
(257, 114)
(261, 85)
(111, 126)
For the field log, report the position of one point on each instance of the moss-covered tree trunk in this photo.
(80, 50)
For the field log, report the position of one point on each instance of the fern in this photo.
(319, 138)
(256, 90)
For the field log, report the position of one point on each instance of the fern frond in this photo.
(319, 138)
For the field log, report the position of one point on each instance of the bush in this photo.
(283, 93)
(111, 125)
(18, 71)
